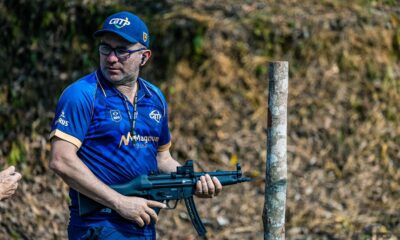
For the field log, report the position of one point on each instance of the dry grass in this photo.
(343, 142)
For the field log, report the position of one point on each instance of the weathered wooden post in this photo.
(276, 171)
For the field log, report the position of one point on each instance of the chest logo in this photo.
(155, 115)
(115, 115)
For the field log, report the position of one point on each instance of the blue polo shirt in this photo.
(93, 115)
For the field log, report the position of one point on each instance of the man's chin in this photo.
(114, 78)
(117, 80)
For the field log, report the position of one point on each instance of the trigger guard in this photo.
(171, 207)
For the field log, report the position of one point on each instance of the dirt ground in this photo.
(343, 119)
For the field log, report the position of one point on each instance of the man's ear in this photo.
(145, 57)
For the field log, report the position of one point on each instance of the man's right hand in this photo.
(139, 210)
(8, 182)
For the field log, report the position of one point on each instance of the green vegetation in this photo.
(210, 59)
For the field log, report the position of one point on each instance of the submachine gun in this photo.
(166, 187)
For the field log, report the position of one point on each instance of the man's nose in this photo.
(112, 57)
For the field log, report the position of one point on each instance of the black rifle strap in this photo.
(194, 216)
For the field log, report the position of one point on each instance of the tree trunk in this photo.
(276, 171)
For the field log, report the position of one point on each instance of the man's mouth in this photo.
(113, 70)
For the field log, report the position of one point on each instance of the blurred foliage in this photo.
(210, 59)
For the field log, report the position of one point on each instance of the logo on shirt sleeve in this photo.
(61, 120)
(115, 115)
(155, 115)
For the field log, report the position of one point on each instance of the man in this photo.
(8, 182)
(110, 127)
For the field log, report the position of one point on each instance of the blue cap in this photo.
(128, 26)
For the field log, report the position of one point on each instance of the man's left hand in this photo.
(208, 187)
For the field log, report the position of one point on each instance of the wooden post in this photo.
(276, 171)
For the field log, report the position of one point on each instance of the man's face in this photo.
(120, 69)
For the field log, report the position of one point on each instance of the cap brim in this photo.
(124, 36)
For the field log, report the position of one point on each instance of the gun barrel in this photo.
(232, 179)
(245, 179)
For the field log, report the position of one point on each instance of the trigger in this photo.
(172, 206)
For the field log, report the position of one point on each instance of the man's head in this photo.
(128, 26)
(123, 47)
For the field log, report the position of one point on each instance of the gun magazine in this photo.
(194, 216)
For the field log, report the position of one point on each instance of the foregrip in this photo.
(194, 216)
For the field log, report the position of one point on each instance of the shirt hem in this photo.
(66, 137)
(164, 147)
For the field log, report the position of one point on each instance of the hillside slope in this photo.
(210, 59)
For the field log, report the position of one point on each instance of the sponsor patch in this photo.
(115, 115)
(62, 121)
(155, 115)
(139, 140)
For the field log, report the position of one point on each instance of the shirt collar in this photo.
(143, 89)
(109, 90)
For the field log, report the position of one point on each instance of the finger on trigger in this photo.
(155, 204)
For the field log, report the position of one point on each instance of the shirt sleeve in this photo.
(165, 138)
(73, 114)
